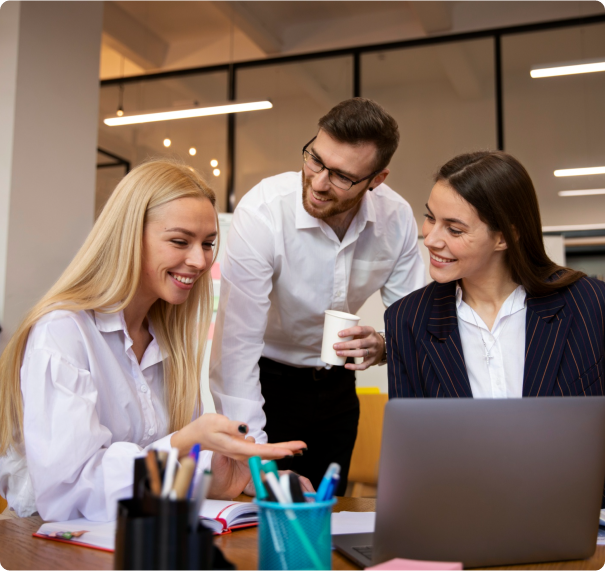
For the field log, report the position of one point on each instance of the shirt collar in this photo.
(514, 303)
(110, 322)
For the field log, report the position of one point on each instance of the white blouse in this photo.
(90, 408)
(500, 375)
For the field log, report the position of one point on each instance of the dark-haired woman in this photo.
(501, 319)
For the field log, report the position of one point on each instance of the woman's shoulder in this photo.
(422, 297)
(586, 289)
(62, 332)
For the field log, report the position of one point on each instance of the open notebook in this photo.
(219, 515)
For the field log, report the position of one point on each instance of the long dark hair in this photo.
(501, 191)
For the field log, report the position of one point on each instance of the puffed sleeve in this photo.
(75, 469)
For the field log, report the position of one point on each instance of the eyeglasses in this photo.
(337, 179)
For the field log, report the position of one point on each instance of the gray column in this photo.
(49, 92)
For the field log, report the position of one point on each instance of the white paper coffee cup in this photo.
(335, 322)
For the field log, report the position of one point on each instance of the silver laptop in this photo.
(487, 482)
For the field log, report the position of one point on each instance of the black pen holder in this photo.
(155, 533)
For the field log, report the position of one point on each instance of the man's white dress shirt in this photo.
(283, 268)
(90, 408)
(500, 376)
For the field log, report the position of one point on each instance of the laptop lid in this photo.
(490, 482)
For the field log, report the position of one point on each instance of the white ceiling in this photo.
(153, 36)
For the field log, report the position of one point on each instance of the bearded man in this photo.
(300, 243)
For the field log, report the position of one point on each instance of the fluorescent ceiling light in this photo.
(580, 172)
(587, 66)
(573, 227)
(169, 115)
(587, 192)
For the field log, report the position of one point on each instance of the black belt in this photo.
(302, 372)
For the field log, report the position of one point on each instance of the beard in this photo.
(332, 208)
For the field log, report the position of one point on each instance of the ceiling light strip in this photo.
(573, 227)
(580, 172)
(187, 113)
(587, 192)
(571, 69)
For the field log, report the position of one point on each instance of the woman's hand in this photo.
(228, 437)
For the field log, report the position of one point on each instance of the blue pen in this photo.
(195, 453)
(326, 482)
(333, 485)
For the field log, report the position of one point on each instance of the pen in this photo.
(326, 481)
(270, 466)
(295, 489)
(182, 482)
(169, 471)
(195, 453)
(154, 474)
(201, 491)
(333, 486)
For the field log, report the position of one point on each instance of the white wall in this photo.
(50, 92)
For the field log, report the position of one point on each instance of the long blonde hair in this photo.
(104, 276)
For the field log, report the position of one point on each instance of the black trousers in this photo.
(319, 407)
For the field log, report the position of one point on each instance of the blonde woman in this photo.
(108, 363)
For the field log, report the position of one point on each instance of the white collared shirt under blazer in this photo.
(283, 268)
(90, 408)
(500, 376)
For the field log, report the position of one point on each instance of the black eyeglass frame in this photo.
(330, 171)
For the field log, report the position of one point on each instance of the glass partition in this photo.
(270, 142)
(557, 122)
(207, 135)
(442, 97)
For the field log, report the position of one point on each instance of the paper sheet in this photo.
(353, 522)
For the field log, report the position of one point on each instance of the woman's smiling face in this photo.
(178, 247)
(460, 244)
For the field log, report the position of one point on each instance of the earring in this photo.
(371, 188)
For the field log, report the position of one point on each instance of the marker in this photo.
(324, 486)
(295, 489)
(255, 470)
(284, 484)
(270, 466)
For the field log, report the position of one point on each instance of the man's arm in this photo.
(408, 274)
(246, 282)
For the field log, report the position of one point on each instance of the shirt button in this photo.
(338, 294)
(143, 388)
(151, 431)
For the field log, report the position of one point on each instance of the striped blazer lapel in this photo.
(547, 324)
(442, 342)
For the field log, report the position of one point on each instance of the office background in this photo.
(455, 75)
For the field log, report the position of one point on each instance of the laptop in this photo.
(487, 482)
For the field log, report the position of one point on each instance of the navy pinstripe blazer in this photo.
(564, 344)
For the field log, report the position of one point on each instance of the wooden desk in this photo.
(19, 550)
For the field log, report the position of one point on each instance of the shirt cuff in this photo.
(163, 444)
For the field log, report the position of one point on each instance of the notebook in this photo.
(219, 515)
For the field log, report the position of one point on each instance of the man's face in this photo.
(321, 199)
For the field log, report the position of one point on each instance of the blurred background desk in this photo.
(19, 550)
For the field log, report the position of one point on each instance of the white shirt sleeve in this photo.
(75, 469)
(408, 273)
(237, 345)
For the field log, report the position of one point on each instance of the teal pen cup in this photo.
(295, 536)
